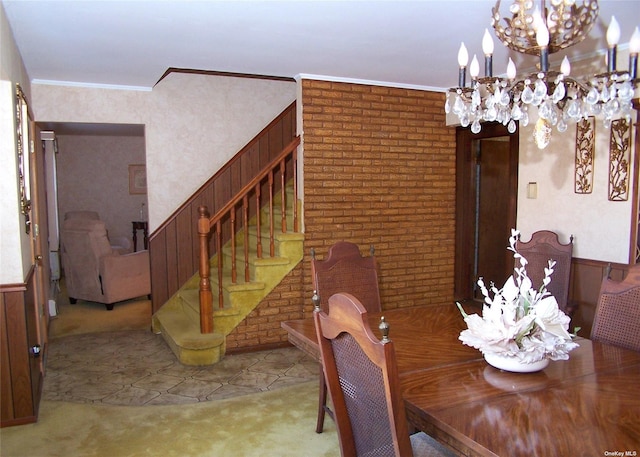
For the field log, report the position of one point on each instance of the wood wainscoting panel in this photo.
(20, 374)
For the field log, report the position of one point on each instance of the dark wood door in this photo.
(486, 198)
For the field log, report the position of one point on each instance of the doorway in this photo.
(93, 172)
(486, 200)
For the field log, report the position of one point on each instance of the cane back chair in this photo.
(543, 246)
(344, 270)
(362, 376)
(617, 318)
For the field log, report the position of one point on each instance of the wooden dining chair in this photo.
(344, 270)
(362, 376)
(543, 246)
(617, 318)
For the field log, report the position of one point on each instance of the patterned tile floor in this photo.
(137, 368)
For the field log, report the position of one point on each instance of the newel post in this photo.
(206, 298)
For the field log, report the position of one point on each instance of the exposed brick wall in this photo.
(262, 326)
(379, 169)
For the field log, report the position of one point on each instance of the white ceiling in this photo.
(133, 42)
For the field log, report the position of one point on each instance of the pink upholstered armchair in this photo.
(94, 271)
(118, 243)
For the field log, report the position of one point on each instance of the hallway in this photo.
(111, 357)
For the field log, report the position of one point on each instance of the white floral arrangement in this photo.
(519, 321)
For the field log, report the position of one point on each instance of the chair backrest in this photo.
(362, 377)
(617, 318)
(81, 215)
(345, 270)
(84, 242)
(544, 246)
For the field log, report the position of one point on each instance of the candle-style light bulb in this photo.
(542, 35)
(565, 67)
(613, 37)
(634, 49)
(474, 68)
(634, 42)
(463, 58)
(487, 48)
(613, 32)
(511, 70)
(542, 38)
(537, 18)
(463, 55)
(487, 43)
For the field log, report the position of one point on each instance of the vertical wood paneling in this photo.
(275, 141)
(184, 240)
(32, 316)
(6, 392)
(222, 194)
(20, 373)
(158, 260)
(175, 242)
(265, 157)
(250, 163)
(19, 355)
(172, 259)
(289, 125)
(235, 187)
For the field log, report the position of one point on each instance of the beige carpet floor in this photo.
(90, 317)
(112, 357)
(136, 368)
(278, 422)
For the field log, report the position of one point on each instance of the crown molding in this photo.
(86, 85)
(368, 82)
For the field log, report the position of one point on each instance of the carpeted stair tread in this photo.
(191, 300)
(182, 331)
(182, 312)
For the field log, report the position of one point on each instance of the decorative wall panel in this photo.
(585, 153)
(619, 149)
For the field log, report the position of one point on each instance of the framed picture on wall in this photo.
(137, 179)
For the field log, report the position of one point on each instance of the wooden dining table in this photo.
(588, 405)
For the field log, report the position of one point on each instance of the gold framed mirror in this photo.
(23, 144)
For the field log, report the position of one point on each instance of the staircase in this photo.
(179, 319)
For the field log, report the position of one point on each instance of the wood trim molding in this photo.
(18, 287)
(194, 71)
(635, 184)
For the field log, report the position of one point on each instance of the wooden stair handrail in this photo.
(206, 223)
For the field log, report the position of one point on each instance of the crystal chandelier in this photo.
(542, 29)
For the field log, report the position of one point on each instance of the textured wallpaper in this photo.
(193, 125)
(93, 176)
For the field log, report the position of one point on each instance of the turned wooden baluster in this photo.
(206, 297)
(245, 223)
(220, 262)
(259, 234)
(295, 191)
(272, 247)
(234, 274)
(230, 209)
(283, 198)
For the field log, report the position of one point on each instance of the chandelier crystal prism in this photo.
(539, 29)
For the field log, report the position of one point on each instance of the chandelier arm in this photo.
(553, 97)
